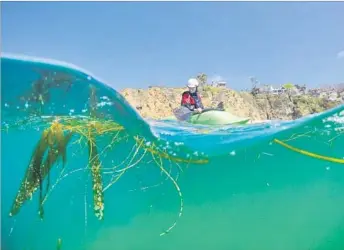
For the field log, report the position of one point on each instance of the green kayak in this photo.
(214, 117)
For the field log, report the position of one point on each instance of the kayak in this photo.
(217, 117)
(214, 117)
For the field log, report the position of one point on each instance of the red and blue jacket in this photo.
(191, 100)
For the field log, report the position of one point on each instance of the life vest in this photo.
(191, 101)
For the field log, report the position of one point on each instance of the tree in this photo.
(202, 79)
(288, 86)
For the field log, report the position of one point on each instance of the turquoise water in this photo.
(245, 191)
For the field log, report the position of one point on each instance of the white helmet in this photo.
(192, 83)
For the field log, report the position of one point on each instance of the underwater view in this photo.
(81, 169)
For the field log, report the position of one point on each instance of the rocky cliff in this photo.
(158, 102)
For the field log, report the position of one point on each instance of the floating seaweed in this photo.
(53, 143)
(95, 165)
(85, 130)
(310, 154)
(94, 161)
(52, 149)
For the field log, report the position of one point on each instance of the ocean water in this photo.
(162, 185)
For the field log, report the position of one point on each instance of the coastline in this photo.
(159, 103)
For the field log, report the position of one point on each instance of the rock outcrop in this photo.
(158, 102)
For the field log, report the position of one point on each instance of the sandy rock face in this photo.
(159, 103)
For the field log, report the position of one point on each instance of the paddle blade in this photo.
(182, 113)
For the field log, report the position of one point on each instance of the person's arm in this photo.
(199, 103)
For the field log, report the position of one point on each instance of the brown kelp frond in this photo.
(310, 154)
(53, 144)
(32, 175)
(97, 187)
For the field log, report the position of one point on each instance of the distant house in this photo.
(266, 88)
(219, 83)
(302, 89)
(271, 90)
(278, 91)
(294, 91)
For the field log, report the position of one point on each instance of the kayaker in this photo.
(191, 98)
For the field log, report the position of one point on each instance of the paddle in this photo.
(182, 113)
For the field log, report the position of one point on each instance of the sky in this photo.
(138, 44)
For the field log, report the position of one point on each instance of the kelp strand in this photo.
(310, 154)
(97, 183)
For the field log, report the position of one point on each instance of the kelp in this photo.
(51, 150)
(94, 160)
(97, 185)
(310, 154)
(53, 144)
(52, 147)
